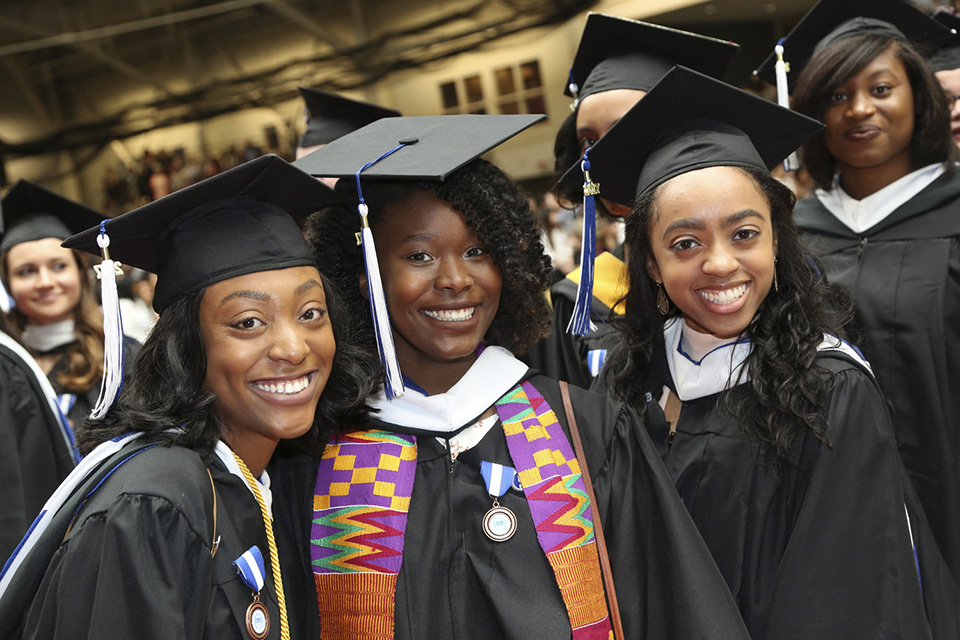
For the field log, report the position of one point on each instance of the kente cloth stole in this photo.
(362, 497)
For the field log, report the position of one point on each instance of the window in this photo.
(470, 88)
(520, 89)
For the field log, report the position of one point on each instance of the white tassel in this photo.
(378, 309)
(107, 272)
(5, 300)
(792, 163)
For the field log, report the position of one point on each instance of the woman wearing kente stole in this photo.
(165, 530)
(462, 511)
(773, 429)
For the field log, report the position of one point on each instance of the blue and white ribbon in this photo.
(498, 477)
(250, 567)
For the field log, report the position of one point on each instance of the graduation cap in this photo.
(331, 116)
(240, 221)
(617, 53)
(406, 148)
(832, 20)
(31, 212)
(947, 57)
(673, 131)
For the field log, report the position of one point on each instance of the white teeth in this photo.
(457, 315)
(723, 297)
(285, 387)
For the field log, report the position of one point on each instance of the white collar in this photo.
(47, 337)
(725, 366)
(862, 215)
(494, 373)
(225, 453)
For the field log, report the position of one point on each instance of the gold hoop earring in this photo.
(663, 303)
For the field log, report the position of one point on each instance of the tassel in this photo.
(378, 310)
(6, 302)
(580, 323)
(574, 91)
(112, 383)
(393, 381)
(783, 98)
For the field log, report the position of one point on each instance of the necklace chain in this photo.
(272, 543)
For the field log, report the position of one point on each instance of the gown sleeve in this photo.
(668, 585)
(849, 569)
(138, 569)
(32, 462)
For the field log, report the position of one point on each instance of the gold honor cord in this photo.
(272, 543)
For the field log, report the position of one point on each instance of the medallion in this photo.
(499, 523)
(258, 620)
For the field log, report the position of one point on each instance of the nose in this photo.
(860, 105)
(720, 261)
(44, 278)
(288, 343)
(454, 275)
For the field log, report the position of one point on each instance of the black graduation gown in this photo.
(87, 400)
(34, 456)
(563, 356)
(822, 549)
(457, 583)
(136, 564)
(904, 276)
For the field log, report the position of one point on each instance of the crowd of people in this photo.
(381, 393)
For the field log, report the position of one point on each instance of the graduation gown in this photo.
(455, 582)
(137, 563)
(35, 454)
(577, 359)
(904, 276)
(817, 550)
(78, 405)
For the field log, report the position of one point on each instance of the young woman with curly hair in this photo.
(885, 223)
(168, 527)
(772, 429)
(463, 275)
(56, 314)
(617, 62)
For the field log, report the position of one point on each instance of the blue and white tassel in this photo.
(393, 378)
(580, 323)
(574, 91)
(783, 98)
(107, 272)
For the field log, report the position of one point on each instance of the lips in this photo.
(451, 315)
(862, 133)
(284, 386)
(723, 296)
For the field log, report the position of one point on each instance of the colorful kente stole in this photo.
(552, 482)
(361, 500)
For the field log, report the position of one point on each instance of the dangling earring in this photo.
(776, 286)
(663, 304)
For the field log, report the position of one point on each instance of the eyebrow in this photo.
(417, 237)
(306, 286)
(699, 225)
(259, 296)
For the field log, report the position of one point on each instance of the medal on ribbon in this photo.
(499, 523)
(251, 570)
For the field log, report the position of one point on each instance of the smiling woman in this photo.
(771, 427)
(248, 353)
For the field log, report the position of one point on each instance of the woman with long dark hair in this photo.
(166, 528)
(885, 222)
(771, 427)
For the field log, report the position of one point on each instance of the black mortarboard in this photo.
(673, 131)
(832, 20)
(331, 116)
(238, 222)
(436, 146)
(947, 57)
(617, 53)
(411, 148)
(31, 212)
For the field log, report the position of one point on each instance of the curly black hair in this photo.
(836, 63)
(787, 388)
(164, 395)
(494, 207)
